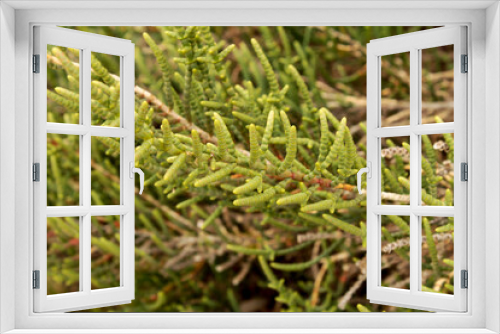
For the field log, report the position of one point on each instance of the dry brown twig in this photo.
(301, 238)
(228, 264)
(352, 290)
(317, 283)
(244, 271)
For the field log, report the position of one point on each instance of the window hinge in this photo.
(36, 172)
(36, 279)
(465, 64)
(464, 279)
(36, 63)
(464, 171)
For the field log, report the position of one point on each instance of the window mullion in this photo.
(414, 170)
(81, 168)
(85, 114)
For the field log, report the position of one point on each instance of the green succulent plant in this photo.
(250, 171)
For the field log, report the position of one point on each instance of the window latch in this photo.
(368, 171)
(133, 170)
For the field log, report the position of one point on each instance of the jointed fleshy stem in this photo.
(308, 264)
(165, 68)
(271, 77)
(291, 150)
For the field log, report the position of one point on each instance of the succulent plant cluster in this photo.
(250, 151)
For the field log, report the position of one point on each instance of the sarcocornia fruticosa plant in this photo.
(250, 139)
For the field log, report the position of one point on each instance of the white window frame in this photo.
(483, 100)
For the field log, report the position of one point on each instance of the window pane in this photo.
(395, 171)
(105, 252)
(437, 254)
(63, 255)
(105, 89)
(395, 89)
(437, 169)
(63, 87)
(395, 254)
(63, 169)
(437, 84)
(105, 178)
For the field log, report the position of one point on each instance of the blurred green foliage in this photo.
(250, 138)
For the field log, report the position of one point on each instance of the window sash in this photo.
(86, 297)
(413, 43)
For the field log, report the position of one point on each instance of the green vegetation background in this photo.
(250, 138)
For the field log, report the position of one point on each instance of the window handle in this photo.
(133, 170)
(368, 171)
